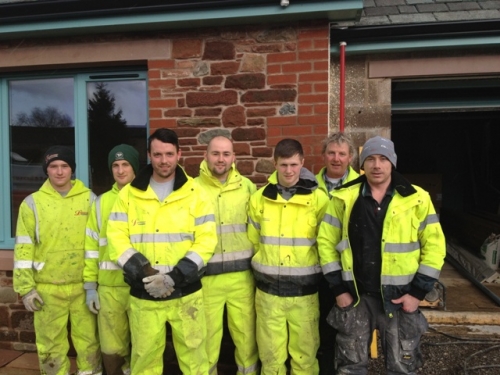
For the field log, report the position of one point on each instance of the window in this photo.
(90, 113)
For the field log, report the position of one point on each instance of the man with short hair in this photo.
(48, 266)
(284, 219)
(382, 249)
(338, 153)
(111, 300)
(228, 281)
(161, 232)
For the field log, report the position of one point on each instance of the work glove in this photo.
(92, 301)
(159, 286)
(30, 299)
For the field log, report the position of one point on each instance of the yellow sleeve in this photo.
(91, 267)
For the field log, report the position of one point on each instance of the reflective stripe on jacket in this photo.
(98, 266)
(234, 250)
(182, 227)
(284, 235)
(413, 243)
(352, 175)
(50, 237)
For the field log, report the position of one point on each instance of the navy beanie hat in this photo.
(124, 152)
(378, 146)
(59, 153)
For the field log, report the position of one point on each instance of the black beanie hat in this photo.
(59, 153)
(124, 152)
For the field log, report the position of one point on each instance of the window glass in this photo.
(117, 113)
(41, 114)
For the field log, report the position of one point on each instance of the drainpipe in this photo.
(342, 87)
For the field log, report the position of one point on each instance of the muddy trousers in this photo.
(114, 329)
(287, 326)
(186, 316)
(400, 336)
(63, 303)
(234, 291)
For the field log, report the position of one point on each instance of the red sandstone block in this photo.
(209, 99)
(162, 84)
(154, 93)
(281, 57)
(269, 96)
(313, 77)
(155, 113)
(255, 122)
(178, 112)
(297, 130)
(281, 79)
(296, 67)
(161, 64)
(223, 68)
(264, 111)
(186, 48)
(313, 98)
(188, 82)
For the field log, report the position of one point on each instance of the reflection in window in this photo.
(41, 114)
(117, 113)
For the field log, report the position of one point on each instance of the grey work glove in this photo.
(159, 286)
(92, 301)
(30, 299)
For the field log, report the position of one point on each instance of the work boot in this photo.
(113, 363)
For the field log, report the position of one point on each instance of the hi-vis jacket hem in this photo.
(413, 243)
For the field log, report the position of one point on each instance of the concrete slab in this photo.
(29, 362)
(7, 356)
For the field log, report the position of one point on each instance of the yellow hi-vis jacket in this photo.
(413, 244)
(50, 237)
(352, 175)
(99, 269)
(234, 250)
(283, 232)
(177, 234)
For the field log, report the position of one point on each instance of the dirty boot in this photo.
(113, 363)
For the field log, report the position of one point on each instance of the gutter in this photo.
(139, 19)
(415, 37)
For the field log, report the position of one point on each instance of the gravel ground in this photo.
(454, 354)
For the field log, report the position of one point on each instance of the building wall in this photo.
(255, 84)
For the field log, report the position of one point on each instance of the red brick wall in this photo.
(257, 85)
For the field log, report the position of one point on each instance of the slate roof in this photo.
(386, 12)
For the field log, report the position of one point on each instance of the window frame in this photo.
(80, 78)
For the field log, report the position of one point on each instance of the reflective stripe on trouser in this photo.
(400, 337)
(113, 324)
(236, 291)
(287, 322)
(63, 302)
(186, 316)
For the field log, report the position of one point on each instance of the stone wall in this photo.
(256, 85)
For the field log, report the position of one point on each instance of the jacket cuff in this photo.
(90, 285)
(339, 289)
(417, 292)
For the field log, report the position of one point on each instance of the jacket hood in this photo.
(141, 181)
(306, 185)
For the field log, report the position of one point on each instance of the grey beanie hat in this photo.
(378, 146)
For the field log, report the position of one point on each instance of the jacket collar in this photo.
(141, 181)
(400, 184)
(206, 175)
(306, 185)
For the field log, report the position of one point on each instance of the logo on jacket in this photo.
(81, 213)
(136, 222)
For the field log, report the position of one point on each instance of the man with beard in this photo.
(228, 281)
(161, 232)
